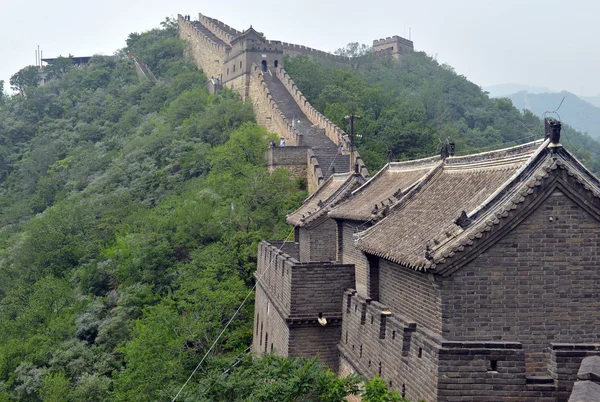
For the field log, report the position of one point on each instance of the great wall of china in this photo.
(465, 278)
(254, 67)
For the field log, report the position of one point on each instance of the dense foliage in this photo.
(130, 213)
(413, 106)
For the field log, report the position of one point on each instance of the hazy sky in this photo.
(547, 43)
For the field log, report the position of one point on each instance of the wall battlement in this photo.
(278, 121)
(293, 296)
(394, 39)
(203, 50)
(295, 50)
(230, 30)
(217, 28)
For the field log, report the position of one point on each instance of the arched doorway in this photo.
(264, 66)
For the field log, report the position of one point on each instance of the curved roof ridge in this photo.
(415, 162)
(309, 210)
(522, 186)
(497, 154)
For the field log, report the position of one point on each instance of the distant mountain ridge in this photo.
(594, 100)
(574, 111)
(505, 90)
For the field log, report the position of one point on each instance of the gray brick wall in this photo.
(289, 297)
(414, 294)
(318, 288)
(315, 340)
(352, 255)
(536, 285)
(271, 333)
(318, 242)
(374, 342)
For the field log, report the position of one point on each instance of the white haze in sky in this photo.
(547, 43)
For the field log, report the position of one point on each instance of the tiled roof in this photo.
(426, 216)
(491, 213)
(334, 190)
(384, 189)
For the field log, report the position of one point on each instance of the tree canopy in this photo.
(413, 106)
(130, 218)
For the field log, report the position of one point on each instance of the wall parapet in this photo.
(301, 290)
(335, 134)
(228, 29)
(290, 47)
(393, 39)
(427, 366)
(314, 173)
(279, 120)
(286, 156)
(194, 32)
(217, 30)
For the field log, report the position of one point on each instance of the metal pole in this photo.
(352, 142)
(351, 117)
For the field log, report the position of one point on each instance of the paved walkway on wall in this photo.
(323, 147)
(208, 33)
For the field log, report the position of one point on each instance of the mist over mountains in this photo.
(582, 113)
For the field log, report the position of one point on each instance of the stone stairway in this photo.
(324, 149)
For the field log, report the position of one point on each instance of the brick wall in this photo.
(536, 285)
(205, 53)
(376, 341)
(318, 287)
(267, 113)
(289, 297)
(352, 255)
(271, 333)
(318, 242)
(290, 158)
(293, 50)
(313, 340)
(415, 294)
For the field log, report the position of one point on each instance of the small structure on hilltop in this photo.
(474, 276)
(394, 46)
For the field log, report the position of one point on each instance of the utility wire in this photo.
(231, 319)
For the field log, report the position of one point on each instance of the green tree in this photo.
(58, 67)
(25, 78)
(377, 391)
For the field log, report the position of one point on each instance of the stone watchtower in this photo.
(250, 48)
(394, 46)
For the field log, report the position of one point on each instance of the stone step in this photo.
(325, 150)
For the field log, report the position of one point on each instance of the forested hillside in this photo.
(413, 106)
(130, 213)
(580, 114)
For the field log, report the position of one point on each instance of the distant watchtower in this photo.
(394, 46)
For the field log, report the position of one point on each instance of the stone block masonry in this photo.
(293, 294)
(290, 158)
(206, 53)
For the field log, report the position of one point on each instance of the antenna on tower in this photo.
(409, 33)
